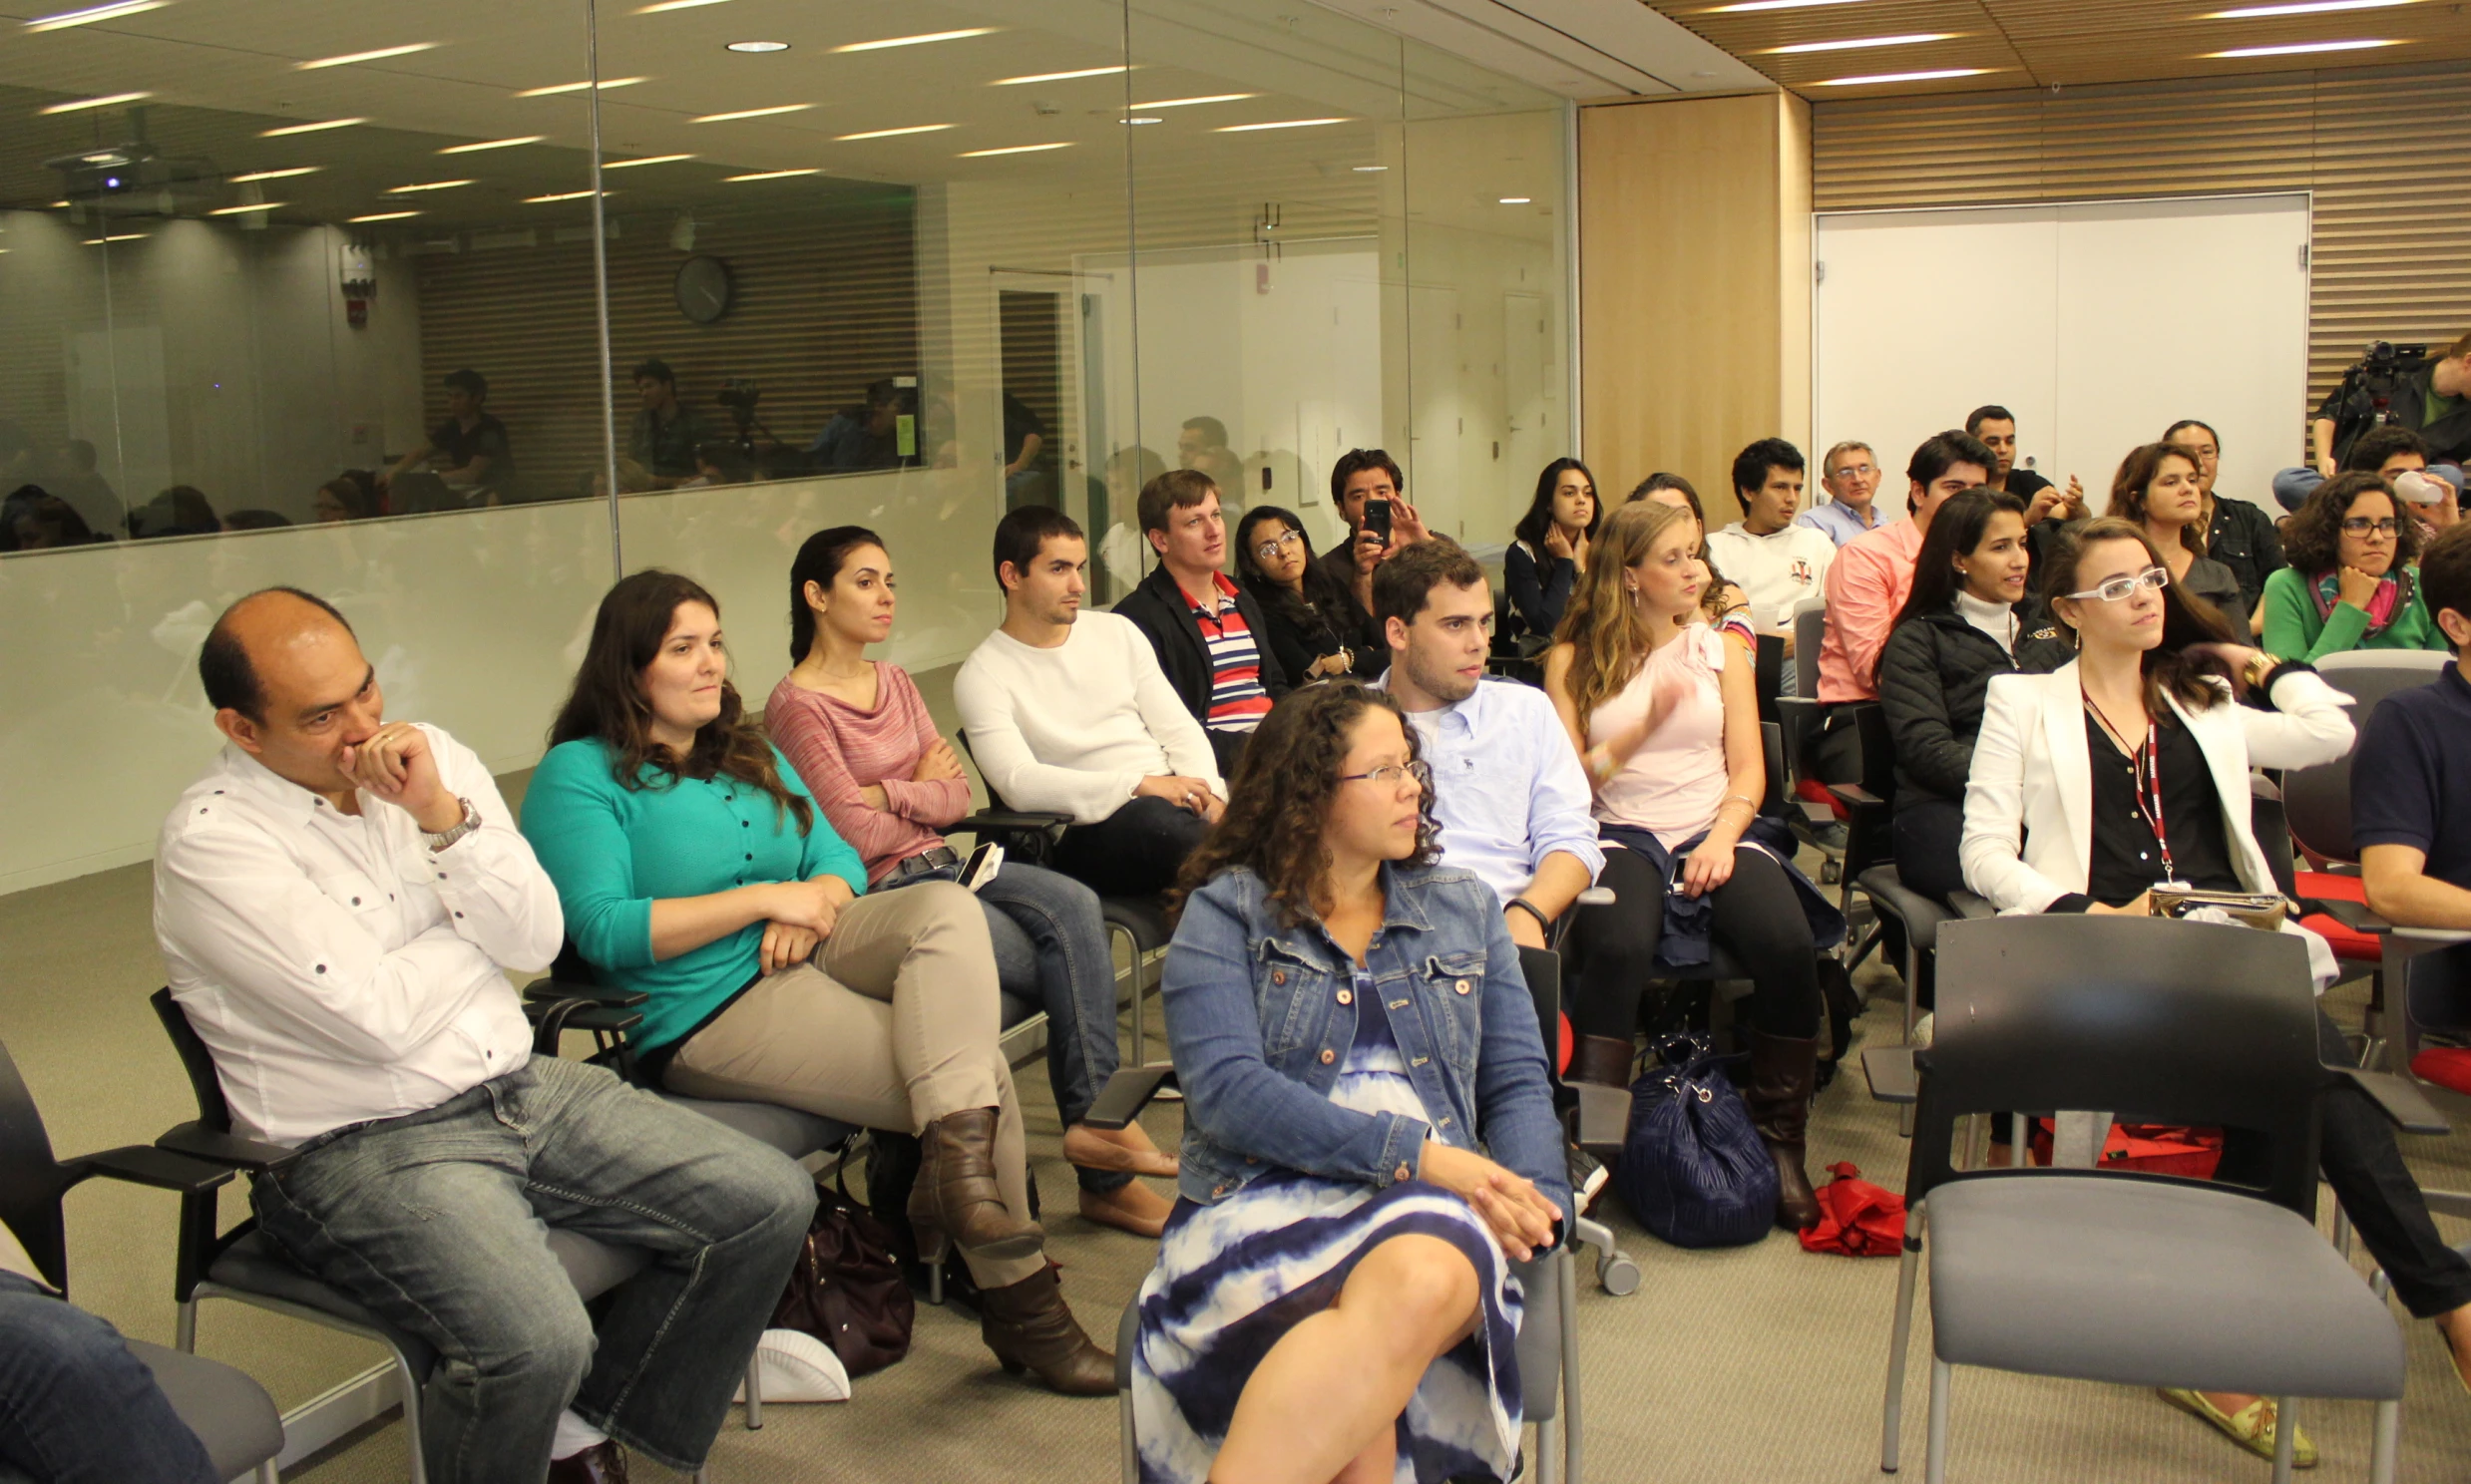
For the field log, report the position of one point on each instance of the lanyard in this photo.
(2145, 762)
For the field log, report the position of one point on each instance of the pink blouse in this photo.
(1673, 785)
(839, 750)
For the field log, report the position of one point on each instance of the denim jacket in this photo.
(1260, 1016)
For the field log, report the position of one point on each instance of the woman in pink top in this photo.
(1665, 718)
(861, 738)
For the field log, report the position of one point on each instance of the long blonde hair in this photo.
(1602, 627)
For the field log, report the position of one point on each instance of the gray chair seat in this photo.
(1144, 918)
(229, 1414)
(2115, 1279)
(1920, 915)
(791, 1130)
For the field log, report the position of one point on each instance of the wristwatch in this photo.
(2259, 665)
(470, 822)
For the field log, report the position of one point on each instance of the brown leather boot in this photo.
(1029, 1327)
(956, 1200)
(1603, 1060)
(1782, 1069)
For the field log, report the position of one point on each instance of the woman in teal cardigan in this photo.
(2352, 582)
(694, 865)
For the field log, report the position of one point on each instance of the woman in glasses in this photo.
(1334, 1297)
(1308, 619)
(2161, 486)
(2352, 582)
(1549, 551)
(1665, 720)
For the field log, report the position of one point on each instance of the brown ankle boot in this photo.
(1782, 1069)
(956, 1200)
(1029, 1327)
(1603, 1060)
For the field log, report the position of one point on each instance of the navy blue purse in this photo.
(1692, 1167)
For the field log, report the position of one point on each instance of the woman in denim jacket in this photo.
(1348, 1018)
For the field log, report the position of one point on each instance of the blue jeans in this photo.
(76, 1407)
(439, 1222)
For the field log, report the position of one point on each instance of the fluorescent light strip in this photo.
(672, 5)
(1013, 149)
(1799, 47)
(425, 186)
(317, 128)
(534, 201)
(1905, 77)
(890, 132)
(606, 85)
(761, 112)
(82, 104)
(1279, 123)
(756, 48)
(93, 13)
(2306, 7)
(244, 210)
(1190, 102)
(275, 175)
(503, 143)
(380, 55)
(122, 238)
(1061, 76)
(2301, 49)
(1756, 5)
(920, 40)
(779, 175)
(1517, 200)
(611, 165)
(384, 216)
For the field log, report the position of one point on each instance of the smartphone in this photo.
(982, 865)
(1377, 520)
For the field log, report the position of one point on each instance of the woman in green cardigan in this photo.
(2352, 582)
(694, 865)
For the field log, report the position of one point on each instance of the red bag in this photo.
(2154, 1148)
(1855, 1218)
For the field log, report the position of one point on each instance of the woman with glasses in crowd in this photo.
(2353, 578)
(1308, 619)
(1334, 1297)
(2160, 488)
(692, 867)
(859, 735)
(1549, 550)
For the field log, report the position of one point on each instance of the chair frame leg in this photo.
(2285, 1439)
(1118, 933)
(1572, 1420)
(1891, 1411)
(755, 1389)
(1935, 1465)
(2385, 1451)
(266, 1473)
(1130, 1442)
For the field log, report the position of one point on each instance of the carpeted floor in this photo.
(1752, 1365)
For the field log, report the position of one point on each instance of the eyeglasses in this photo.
(1269, 551)
(2120, 588)
(1394, 774)
(2362, 526)
(1854, 471)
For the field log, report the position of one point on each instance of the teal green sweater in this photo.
(2294, 631)
(615, 851)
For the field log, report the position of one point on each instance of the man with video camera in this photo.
(2392, 386)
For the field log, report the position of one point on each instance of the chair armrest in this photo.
(552, 1017)
(1893, 1077)
(604, 994)
(1969, 907)
(142, 1164)
(1011, 822)
(2353, 914)
(1603, 1115)
(1127, 1093)
(219, 1148)
(2399, 1100)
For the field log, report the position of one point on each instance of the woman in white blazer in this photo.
(2129, 767)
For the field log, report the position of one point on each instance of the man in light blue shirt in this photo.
(1508, 791)
(1851, 475)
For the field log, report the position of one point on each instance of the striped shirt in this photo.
(1237, 700)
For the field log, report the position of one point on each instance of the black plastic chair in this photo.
(229, 1413)
(2111, 1276)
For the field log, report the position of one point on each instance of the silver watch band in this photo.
(470, 822)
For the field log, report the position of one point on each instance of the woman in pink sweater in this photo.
(861, 738)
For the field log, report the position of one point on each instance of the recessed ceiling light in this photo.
(2304, 48)
(380, 55)
(503, 143)
(611, 165)
(761, 112)
(2305, 7)
(1905, 77)
(1279, 123)
(1749, 5)
(1061, 76)
(556, 88)
(62, 204)
(119, 237)
(244, 210)
(1145, 121)
(890, 132)
(534, 201)
(274, 174)
(1367, 169)
(779, 175)
(318, 126)
(1013, 149)
(77, 104)
(94, 13)
(384, 216)
(425, 186)
(662, 5)
(1868, 41)
(920, 40)
(758, 45)
(1517, 200)
(1189, 102)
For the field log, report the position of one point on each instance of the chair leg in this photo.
(185, 1329)
(2386, 1448)
(266, 1473)
(1132, 1440)
(755, 1389)
(419, 1473)
(2285, 1439)
(1572, 1420)
(1934, 1467)
(2343, 1232)
(1891, 1413)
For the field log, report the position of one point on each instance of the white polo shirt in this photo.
(1775, 572)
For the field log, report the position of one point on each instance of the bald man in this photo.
(338, 901)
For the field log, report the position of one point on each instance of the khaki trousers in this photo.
(892, 1025)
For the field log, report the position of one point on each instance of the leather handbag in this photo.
(847, 1289)
(1692, 1169)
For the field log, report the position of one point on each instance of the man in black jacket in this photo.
(1209, 646)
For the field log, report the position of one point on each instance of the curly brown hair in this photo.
(2312, 539)
(1280, 795)
(2136, 474)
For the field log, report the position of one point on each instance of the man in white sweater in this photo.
(1068, 711)
(1774, 562)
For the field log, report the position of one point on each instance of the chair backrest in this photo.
(1772, 750)
(2271, 827)
(2436, 993)
(1809, 633)
(195, 1059)
(995, 801)
(30, 1182)
(2184, 1022)
(2317, 800)
(1768, 675)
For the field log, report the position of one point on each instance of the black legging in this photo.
(1759, 919)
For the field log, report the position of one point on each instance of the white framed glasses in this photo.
(2127, 585)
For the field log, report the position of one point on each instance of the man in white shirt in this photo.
(334, 900)
(1068, 712)
(1776, 562)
